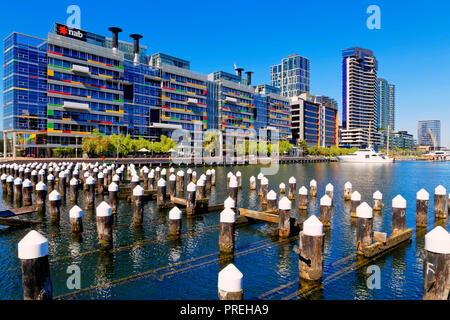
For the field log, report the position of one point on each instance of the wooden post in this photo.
(62, 184)
(239, 179)
(282, 188)
(161, 193)
(76, 219)
(10, 186)
(271, 200)
(41, 195)
(326, 210)
(313, 188)
(252, 183)
(229, 175)
(144, 174)
(190, 198)
(164, 174)
(233, 189)
(33, 255)
(347, 191)
(134, 182)
(436, 265)
(101, 182)
(284, 213)
(3, 179)
(311, 245)
(302, 198)
(113, 190)
(27, 189)
(41, 176)
(21, 174)
(264, 190)
(377, 201)
(151, 180)
(422, 200)
(55, 205)
(138, 205)
(260, 176)
(226, 234)
(116, 179)
(355, 201)
(27, 173)
(34, 178)
(194, 177)
(172, 185)
(73, 191)
(213, 177)
(329, 191)
(50, 182)
(85, 177)
(200, 194)
(104, 225)
(398, 214)
(188, 176)
(440, 202)
(157, 173)
(180, 182)
(175, 221)
(18, 191)
(90, 191)
(208, 180)
(229, 203)
(230, 283)
(364, 226)
(292, 188)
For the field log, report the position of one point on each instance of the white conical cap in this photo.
(34, 245)
(356, 196)
(203, 177)
(10, 179)
(4, 176)
(208, 172)
(282, 186)
(41, 172)
(329, 187)
(73, 182)
(238, 174)
(227, 215)
(325, 201)
(171, 170)
(86, 174)
(90, 180)
(27, 183)
(75, 212)
(252, 179)
(213, 171)
(312, 226)
(201, 182)
(399, 202)
(41, 186)
(348, 185)
(135, 178)
(18, 181)
(264, 181)
(34, 173)
(100, 175)
(377, 195)
(292, 180)
(54, 196)
(230, 279)
(303, 191)
(180, 173)
(116, 178)
(113, 187)
(161, 182)
(62, 174)
(440, 190)
(189, 171)
(194, 173)
(103, 210)
(163, 172)
(173, 177)
(438, 241)
(230, 174)
(151, 174)
(271, 195)
(138, 191)
(229, 203)
(422, 194)
(284, 204)
(260, 176)
(158, 169)
(191, 187)
(175, 214)
(364, 211)
(313, 183)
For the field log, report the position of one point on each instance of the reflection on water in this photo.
(148, 264)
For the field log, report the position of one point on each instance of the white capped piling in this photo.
(326, 210)
(440, 202)
(259, 177)
(151, 180)
(138, 205)
(50, 182)
(27, 173)
(422, 201)
(271, 200)
(33, 255)
(355, 201)
(85, 176)
(90, 191)
(157, 173)
(436, 265)
(311, 245)
(164, 174)
(10, 186)
(62, 183)
(230, 283)
(233, 189)
(116, 179)
(377, 201)
(398, 214)
(100, 183)
(175, 221)
(180, 181)
(229, 175)
(282, 188)
(200, 194)
(18, 191)
(161, 193)
(172, 185)
(229, 203)
(188, 175)
(113, 190)
(42, 176)
(3, 180)
(264, 190)
(252, 183)
(190, 198)
(134, 182)
(105, 220)
(194, 177)
(54, 199)
(27, 190)
(73, 190)
(239, 179)
(292, 188)
(208, 179)
(284, 214)
(302, 198)
(21, 169)
(34, 178)
(76, 219)
(347, 190)
(41, 195)
(213, 177)
(329, 191)
(364, 226)
(226, 233)
(313, 188)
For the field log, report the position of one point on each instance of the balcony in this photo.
(80, 69)
(76, 105)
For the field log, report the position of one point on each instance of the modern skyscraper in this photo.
(359, 96)
(385, 104)
(291, 76)
(423, 133)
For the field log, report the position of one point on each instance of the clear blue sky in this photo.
(412, 47)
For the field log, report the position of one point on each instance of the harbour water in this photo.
(146, 264)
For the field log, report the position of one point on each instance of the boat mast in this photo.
(387, 149)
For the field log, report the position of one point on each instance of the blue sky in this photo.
(412, 45)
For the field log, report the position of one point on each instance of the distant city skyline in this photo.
(403, 41)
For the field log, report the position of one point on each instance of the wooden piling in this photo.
(172, 185)
(271, 200)
(313, 188)
(282, 188)
(34, 178)
(200, 194)
(27, 190)
(259, 177)
(90, 192)
(213, 177)
(355, 201)
(194, 177)
(189, 176)
(190, 198)
(233, 190)
(54, 205)
(76, 219)
(104, 219)
(264, 190)
(252, 183)
(302, 198)
(377, 201)
(292, 188)
(440, 202)
(230, 283)
(41, 195)
(100, 183)
(208, 180)
(284, 213)
(239, 179)
(180, 182)
(326, 210)
(18, 191)
(364, 227)
(161, 197)
(329, 191)
(138, 205)
(151, 180)
(113, 190)
(347, 191)
(422, 201)
(10, 186)
(226, 233)
(50, 182)
(311, 247)
(175, 221)
(73, 191)
(398, 214)
(3, 180)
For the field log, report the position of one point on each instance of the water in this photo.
(146, 264)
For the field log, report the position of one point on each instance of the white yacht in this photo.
(437, 155)
(368, 155)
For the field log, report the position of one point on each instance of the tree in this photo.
(304, 146)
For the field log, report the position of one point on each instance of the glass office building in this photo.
(425, 138)
(291, 76)
(385, 105)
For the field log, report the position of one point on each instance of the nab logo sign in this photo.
(70, 32)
